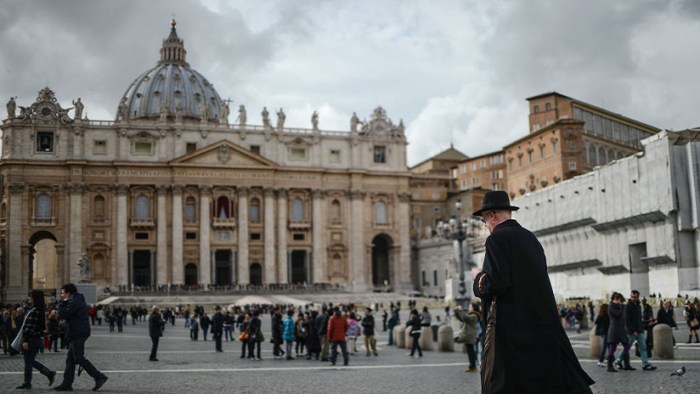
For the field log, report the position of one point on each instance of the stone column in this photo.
(204, 230)
(269, 235)
(178, 269)
(357, 243)
(403, 276)
(76, 191)
(154, 256)
(243, 276)
(162, 236)
(319, 248)
(282, 257)
(16, 287)
(122, 257)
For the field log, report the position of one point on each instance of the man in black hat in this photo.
(526, 348)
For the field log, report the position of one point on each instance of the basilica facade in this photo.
(171, 193)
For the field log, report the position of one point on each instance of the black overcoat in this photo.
(532, 352)
(616, 331)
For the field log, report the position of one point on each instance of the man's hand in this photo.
(475, 272)
(25, 346)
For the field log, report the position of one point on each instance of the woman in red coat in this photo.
(337, 327)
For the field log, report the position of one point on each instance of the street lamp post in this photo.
(455, 229)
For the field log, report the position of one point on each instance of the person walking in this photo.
(616, 332)
(368, 332)
(194, 327)
(6, 331)
(254, 336)
(74, 311)
(155, 331)
(352, 334)
(337, 327)
(322, 329)
(635, 333)
(413, 324)
(217, 328)
(33, 336)
(99, 315)
(229, 322)
(289, 332)
(649, 322)
(602, 324)
(313, 341)
(204, 322)
(277, 339)
(385, 316)
(692, 320)
(518, 302)
(467, 333)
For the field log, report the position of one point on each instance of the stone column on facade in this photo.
(122, 257)
(243, 276)
(357, 250)
(282, 257)
(154, 256)
(16, 287)
(162, 236)
(269, 235)
(319, 247)
(403, 271)
(76, 191)
(204, 234)
(177, 275)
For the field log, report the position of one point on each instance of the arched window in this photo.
(190, 210)
(381, 212)
(254, 210)
(611, 155)
(619, 155)
(222, 208)
(297, 210)
(99, 207)
(141, 207)
(98, 262)
(601, 156)
(335, 211)
(43, 206)
(592, 157)
(584, 152)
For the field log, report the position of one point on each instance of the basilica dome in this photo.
(171, 89)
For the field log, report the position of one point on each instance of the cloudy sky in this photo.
(452, 70)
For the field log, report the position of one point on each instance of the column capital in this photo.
(242, 190)
(205, 189)
(281, 192)
(76, 187)
(357, 194)
(16, 187)
(120, 189)
(178, 189)
(162, 189)
(268, 192)
(404, 196)
(318, 193)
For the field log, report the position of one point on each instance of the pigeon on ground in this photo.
(679, 372)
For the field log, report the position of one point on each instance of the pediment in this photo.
(224, 153)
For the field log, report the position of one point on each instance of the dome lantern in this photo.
(173, 50)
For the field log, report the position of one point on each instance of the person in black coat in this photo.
(616, 331)
(635, 333)
(217, 328)
(156, 325)
(413, 324)
(204, 322)
(277, 333)
(602, 323)
(322, 328)
(254, 336)
(313, 343)
(528, 351)
(74, 311)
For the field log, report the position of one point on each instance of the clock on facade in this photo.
(45, 111)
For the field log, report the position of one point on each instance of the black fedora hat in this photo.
(494, 201)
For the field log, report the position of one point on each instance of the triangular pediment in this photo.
(225, 154)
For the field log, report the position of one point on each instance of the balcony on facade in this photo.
(145, 223)
(299, 224)
(224, 223)
(43, 222)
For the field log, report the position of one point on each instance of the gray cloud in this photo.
(453, 70)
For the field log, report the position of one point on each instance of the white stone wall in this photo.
(588, 223)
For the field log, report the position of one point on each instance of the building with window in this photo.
(482, 172)
(170, 193)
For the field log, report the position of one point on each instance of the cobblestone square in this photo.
(189, 366)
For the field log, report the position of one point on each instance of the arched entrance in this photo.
(255, 274)
(223, 267)
(381, 264)
(191, 274)
(142, 266)
(299, 262)
(43, 261)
